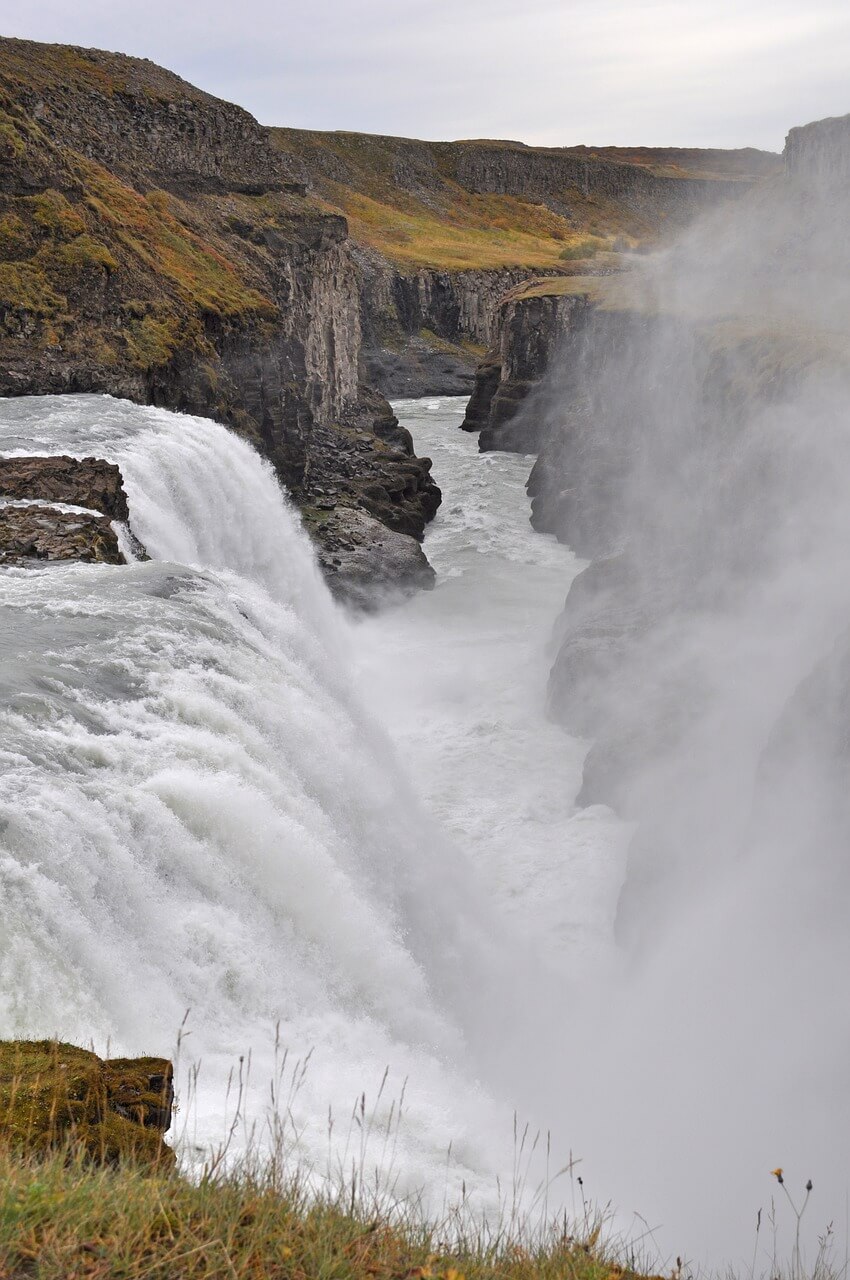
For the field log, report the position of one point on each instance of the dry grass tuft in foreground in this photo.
(62, 1217)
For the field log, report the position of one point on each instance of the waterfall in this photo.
(197, 813)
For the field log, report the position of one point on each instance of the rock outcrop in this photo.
(365, 563)
(368, 461)
(54, 1095)
(62, 508)
(81, 482)
(535, 323)
(817, 155)
(33, 534)
(423, 331)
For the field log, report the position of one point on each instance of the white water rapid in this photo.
(458, 676)
(219, 794)
(198, 814)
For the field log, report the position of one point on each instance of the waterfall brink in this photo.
(196, 813)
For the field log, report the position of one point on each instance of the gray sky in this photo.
(683, 72)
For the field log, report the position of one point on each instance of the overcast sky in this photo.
(683, 72)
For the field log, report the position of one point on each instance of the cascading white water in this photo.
(197, 813)
(201, 808)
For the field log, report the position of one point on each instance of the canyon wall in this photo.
(444, 230)
(818, 154)
(547, 175)
(690, 422)
(536, 324)
(423, 332)
(154, 245)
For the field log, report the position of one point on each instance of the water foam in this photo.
(197, 813)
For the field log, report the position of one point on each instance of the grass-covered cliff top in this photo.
(66, 68)
(86, 1190)
(618, 290)
(425, 204)
(61, 1218)
(741, 163)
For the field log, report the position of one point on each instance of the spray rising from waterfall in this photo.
(698, 453)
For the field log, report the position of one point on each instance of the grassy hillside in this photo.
(409, 200)
(98, 267)
(89, 1189)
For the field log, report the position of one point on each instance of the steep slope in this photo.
(445, 229)
(153, 245)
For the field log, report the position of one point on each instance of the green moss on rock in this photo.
(24, 287)
(54, 214)
(54, 1094)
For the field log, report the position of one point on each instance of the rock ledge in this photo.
(52, 1094)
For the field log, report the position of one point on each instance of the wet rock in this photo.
(53, 1094)
(487, 378)
(81, 482)
(35, 534)
(602, 615)
(534, 326)
(368, 460)
(365, 563)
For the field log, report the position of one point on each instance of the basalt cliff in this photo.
(159, 244)
(443, 230)
(154, 245)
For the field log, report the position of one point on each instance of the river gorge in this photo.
(454, 790)
(228, 805)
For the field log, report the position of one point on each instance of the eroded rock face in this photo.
(35, 530)
(535, 328)
(82, 482)
(421, 307)
(155, 246)
(365, 563)
(117, 1110)
(547, 173)
(370, 459)
(421, 328)
(818, 154)
(488, 375)
(33, 534)
(139, 115)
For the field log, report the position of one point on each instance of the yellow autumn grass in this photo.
(60, 1217)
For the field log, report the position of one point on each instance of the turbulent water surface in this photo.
(226, 805)
(459, 678)
(202, 811)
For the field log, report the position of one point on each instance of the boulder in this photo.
(363, 561)
(33, 534)
(81, 482)
(53, 1094)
